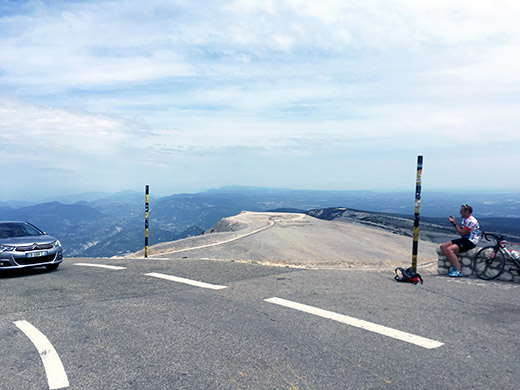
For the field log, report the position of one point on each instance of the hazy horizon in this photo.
(99, 194)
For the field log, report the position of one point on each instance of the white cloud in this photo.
(55, 131)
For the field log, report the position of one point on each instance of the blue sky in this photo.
(190, 95)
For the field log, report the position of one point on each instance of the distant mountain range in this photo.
(430, 229)
(100, 224)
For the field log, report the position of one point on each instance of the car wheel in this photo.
(52, 267)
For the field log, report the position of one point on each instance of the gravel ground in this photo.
(298, 240)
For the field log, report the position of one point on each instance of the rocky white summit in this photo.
(294, 239)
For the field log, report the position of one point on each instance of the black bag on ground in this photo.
(407, 275)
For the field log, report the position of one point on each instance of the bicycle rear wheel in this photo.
(488, 263)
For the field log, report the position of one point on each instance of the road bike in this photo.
(490, 261)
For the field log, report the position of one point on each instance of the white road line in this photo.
(383, 330)
(186, 281)
(56, 376)
(114, 267)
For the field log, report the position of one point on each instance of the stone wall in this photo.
(466, 259)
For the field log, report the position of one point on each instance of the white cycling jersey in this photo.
(472, 226)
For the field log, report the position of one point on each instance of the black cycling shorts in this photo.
(464, 244)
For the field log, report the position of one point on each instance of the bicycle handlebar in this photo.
(494, 236)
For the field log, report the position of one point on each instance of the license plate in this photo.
(36, 254)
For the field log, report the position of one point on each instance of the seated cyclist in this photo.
(470, 236)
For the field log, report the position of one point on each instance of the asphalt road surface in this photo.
(194, 324)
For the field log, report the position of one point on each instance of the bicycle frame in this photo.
(504, 243)
(501, 243)
(489, 262)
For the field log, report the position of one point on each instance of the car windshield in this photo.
(8, 230)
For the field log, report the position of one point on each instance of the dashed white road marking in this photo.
(186, 281)
(383, 330)
(114, 267)
(56, 376)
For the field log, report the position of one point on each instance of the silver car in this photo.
(23, 245)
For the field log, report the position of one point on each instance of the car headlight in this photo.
(6, 248)
(56, 243)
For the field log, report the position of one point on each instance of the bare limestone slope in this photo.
(292, 239)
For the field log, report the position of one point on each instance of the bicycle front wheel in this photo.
(488, 263)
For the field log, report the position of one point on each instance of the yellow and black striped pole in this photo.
(146, 210)
(416, 212)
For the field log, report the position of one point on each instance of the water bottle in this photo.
(514, 254)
